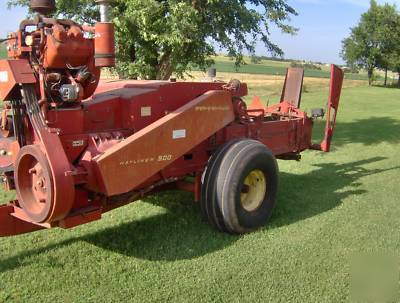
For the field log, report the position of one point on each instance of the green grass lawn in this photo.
(330, 206)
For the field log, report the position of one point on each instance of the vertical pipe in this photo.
(104, 13)
(104, 45)
(104, 10)
(104, 37)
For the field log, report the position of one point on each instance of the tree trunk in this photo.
(370, 74)
(398, 83)
(132, 52)
(165, 68)
(164, 71)
(166, 75)
(386, 76)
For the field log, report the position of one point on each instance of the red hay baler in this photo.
(75, 148)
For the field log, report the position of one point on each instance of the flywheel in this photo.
(34, 183)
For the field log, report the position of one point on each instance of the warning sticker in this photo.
(78, 143)
(179, 134)
(145, 111)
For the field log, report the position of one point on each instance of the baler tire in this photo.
(244, 207)
(208, 202)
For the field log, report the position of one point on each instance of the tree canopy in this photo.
(375, 41)
(156, 38)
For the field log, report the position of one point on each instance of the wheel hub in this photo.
(254, 190)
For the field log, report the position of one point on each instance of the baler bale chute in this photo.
(75, 147)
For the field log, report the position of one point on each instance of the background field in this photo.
(278, 68)
(225, 65)
(270, 67)
(330, 206)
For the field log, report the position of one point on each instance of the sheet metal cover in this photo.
(337, 77)
(293, 86)
(130, 163)
(13, 72)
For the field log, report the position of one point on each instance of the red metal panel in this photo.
(128, 164)
(337, 76)
(280, 136)
(293, 86)
(178, 89)
(12, 226)
(82, 217)
(13, 72)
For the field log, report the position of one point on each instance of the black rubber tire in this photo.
(208, 202)
(237, 162)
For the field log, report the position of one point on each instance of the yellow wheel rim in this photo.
(254, 190)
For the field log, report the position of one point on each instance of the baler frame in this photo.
(76, 148)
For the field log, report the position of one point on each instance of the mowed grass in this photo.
(330, 206)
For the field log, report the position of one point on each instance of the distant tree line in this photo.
(375, 41)
(307, 65)
(257, 59)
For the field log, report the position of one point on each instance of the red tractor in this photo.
(74, 147)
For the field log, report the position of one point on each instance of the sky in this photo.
(322, 25)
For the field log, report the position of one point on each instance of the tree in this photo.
(395, 65)
(156, 38)
(372, 41)
(389, 36)
(394, 59)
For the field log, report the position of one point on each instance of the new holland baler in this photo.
(74, 147)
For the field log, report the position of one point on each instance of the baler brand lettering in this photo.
(211, 108)
(160, 158)
(139, 161)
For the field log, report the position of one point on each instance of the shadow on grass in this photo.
(305, 196)
(181, 234)
(369, 131)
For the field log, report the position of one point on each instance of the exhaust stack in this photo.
(104, 10)
(105, 37)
